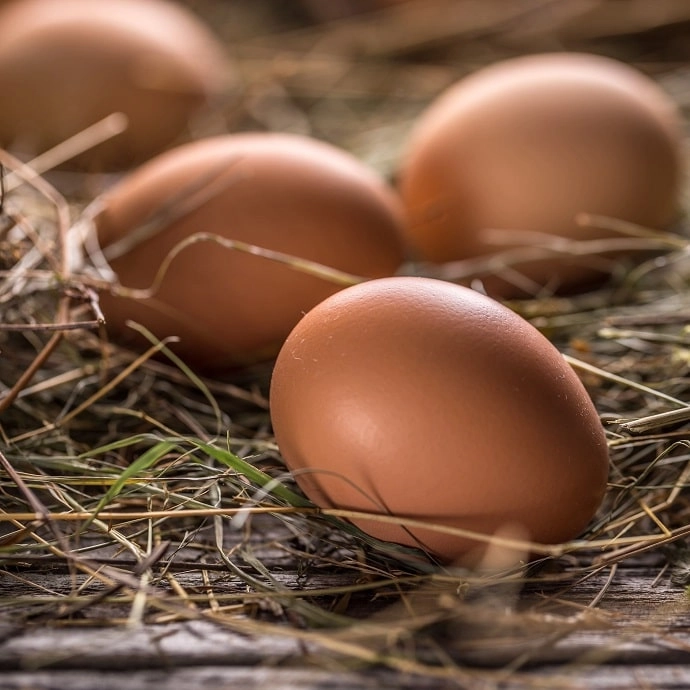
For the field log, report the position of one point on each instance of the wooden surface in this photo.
(636, 635)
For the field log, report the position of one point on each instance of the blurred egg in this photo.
(527, 145)
(281, 192)
(417, 398)
(67, 64)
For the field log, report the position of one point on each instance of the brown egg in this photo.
(418, 398)
(527, 145)
(66, 64)
(280, 192)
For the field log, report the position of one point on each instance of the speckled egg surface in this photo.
(421, 399)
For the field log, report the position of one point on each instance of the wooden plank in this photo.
(266, 678)
(217, 678)
(144, 647)
(637, 635)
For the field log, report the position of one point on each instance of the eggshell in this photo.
(66, 64)
(422, 399)
(528, 144)
(280, 192)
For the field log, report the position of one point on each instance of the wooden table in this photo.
(620, 628)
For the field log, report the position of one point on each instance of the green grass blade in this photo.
(255, 475)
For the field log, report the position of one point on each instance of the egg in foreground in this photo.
(525, 147)
(417, 398)
(279, 192)
(67, 64)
